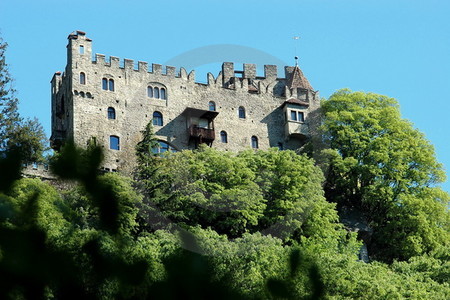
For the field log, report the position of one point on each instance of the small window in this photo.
(157, 119)
(297, 116)
(111, 113)
(280, 146)
(105, 84)
(163, 93)
(150, 91)
(111, 85)
(293, 115)
(223, 137)
(156, 92)
(212, 106)
(114, 142)
(81, 49)
(82, 78)
(254, 142)
(241, 112)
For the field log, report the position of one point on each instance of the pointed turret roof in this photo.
(298, 80)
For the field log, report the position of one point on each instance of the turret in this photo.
(79, 48)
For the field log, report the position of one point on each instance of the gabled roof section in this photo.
(295, 101)
(298, 80)
(200, 113)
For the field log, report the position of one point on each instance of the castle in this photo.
(110, 102)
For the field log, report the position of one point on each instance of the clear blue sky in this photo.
(399, 48)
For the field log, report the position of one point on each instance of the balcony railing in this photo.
(203, 135)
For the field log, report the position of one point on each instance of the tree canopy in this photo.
(382, 165)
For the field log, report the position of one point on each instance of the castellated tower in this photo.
(109, 102)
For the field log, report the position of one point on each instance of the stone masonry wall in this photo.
(88, 103)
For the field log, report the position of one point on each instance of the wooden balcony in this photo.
(201, 135)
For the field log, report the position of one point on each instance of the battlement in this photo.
(111, 99)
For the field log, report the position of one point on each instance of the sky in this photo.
(398, 48)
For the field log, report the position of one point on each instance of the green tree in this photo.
(15, 132)
(380, 164)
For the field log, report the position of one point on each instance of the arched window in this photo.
(105, 84)
(82, 78)
(241, 112)
(223, 137)
(150, 91)
(111, 113)
(157, 118)
(163, 147)
(212, 106)
(254, 142)
(156, 92)
(114, 142)
(111, 85)
(163, 93)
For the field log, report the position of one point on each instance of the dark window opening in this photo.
(156, 92)
(241, 112)
(82, 78)
(212, 106)
(254, 142)
(111, 113)
(114, 142)
(111, 85)
(105, 84)
(163, 93)
(157, 118)
(163, 147)
(223, 137)
(293, 115)
(150, 92)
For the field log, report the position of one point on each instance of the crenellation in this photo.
(270, 72)
(183, 73)
(227, 73)
(138, 92)
(114, 62)
(170, 71)
(249, 71)
(128, 64)
(210, 79)
(191, 76)
(157, 69)
(100, 59)
(142, 66)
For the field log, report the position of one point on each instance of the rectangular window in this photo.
(114, 142)
(297, 116)
(293, 115)
(81, 49)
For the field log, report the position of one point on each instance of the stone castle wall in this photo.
(84, 112)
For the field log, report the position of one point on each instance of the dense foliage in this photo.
(207, 224)
(91, 241)
(383, 166)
